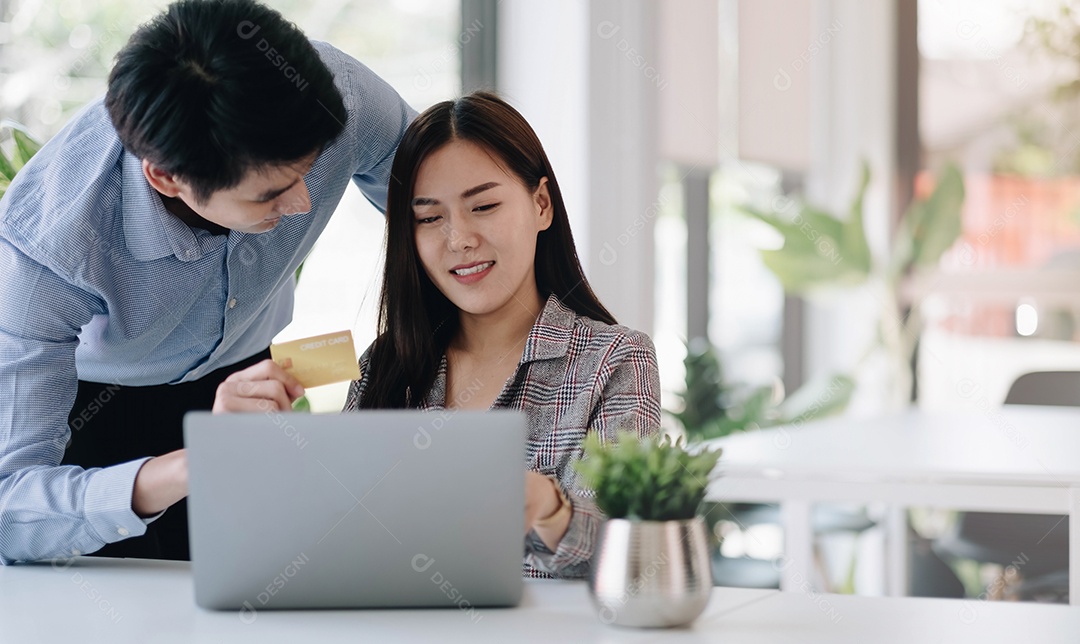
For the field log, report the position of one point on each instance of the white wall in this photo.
(543, 73)
(584, 74)
(852, 119)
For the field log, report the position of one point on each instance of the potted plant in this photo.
(651, 567)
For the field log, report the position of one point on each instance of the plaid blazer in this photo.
(576, 375)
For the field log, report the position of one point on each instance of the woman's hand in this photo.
(542, 500)
(262, 387)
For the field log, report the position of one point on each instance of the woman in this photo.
(484, 306)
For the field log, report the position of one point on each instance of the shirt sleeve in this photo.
(377, 119)
(48, 510)
(629, 401)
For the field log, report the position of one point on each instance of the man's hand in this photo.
(263, 387)
(161, 482)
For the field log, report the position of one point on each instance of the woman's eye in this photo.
(485, 207)
(428, 220)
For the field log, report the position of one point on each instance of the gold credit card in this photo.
(321, 359)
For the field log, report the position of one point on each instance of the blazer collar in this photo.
(550, 335)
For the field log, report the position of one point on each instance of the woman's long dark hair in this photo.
(416, 321)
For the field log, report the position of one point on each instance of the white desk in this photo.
(120, 601)
(1014, 459)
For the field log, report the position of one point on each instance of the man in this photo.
(148, 251)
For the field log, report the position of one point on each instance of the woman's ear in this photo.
(542, 198)
(160, 180)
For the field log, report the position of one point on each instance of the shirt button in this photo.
(122, 531)
(232, 303)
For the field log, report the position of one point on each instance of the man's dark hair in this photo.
(210, 89)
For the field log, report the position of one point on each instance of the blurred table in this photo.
(1016, 459)
(129, 600)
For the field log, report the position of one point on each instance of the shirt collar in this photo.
(150, 231)
(550, 335)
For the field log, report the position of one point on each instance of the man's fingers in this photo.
(270, 370)
(257, 371)
(246, 405)
(252, 395)
(270, 392)
(291, 383)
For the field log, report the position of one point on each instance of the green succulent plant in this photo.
(646, 480)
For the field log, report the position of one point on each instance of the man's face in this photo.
(259, 201)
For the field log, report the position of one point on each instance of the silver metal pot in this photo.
(651, 573)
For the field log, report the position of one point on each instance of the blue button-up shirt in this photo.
(99, 282)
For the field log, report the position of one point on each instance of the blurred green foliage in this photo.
(17, 145)
(822, 251)
(819, 249)
(713, 408)
(1043, 144)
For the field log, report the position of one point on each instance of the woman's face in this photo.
(476, 225)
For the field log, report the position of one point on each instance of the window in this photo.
(995, 99)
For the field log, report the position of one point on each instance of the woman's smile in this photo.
(472, 273)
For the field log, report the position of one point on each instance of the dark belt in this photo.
(112, 424)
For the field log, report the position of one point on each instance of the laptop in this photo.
(357, 510)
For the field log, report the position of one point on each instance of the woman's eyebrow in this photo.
(471, 192)
(478, 189)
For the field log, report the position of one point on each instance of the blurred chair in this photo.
(929, 575)
(1036, 545)
(1053, 388)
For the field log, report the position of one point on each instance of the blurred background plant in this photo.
(823, 253)
(1044, 144)
(17, 145)
(820, 254)
(713, 407)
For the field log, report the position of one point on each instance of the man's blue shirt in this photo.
(99, 282)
